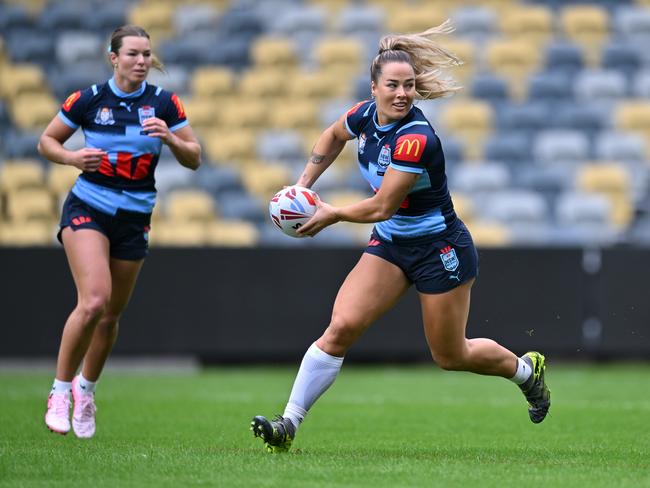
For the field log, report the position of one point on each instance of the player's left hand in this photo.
(325, 215)
(156, 127)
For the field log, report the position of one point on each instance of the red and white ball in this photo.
(291, 207)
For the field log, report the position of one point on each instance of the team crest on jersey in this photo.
(104, 116)
(384, 157)
(362, 142)
(449, 258)
(146, 112)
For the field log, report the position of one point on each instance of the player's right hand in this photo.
(87, 159)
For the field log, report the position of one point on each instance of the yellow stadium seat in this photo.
(212, 81)
(274, 52)
(634, 117)
(587, 26)
(471, 122)
(264, 180)
(32, 111)
(341, 54)
(312, 85)
(415, 18)
(17, 174)
(227, 146)
(60, 178)
(489, 234)
(265, 83)
(33, 233)
(528, 23)
(21, 78)
(245, 114)
(232, 233)
(189, 206)
(156, 18)
(203, 112)
(463, 206)
(30, 204)
(466, 52)
(178, 234)
(301, 114)
(613, 181)
(514, 60)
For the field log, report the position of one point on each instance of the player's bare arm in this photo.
(327, 148)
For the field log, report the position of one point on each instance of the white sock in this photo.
(85, 387)
(523, 372)
(61, 386)
(317, 372)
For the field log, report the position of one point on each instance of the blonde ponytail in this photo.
(425, 56)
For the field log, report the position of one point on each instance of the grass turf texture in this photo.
(377, 427)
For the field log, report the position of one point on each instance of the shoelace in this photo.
(88, 407)
(61, 404)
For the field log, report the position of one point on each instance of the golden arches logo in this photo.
(410, 147)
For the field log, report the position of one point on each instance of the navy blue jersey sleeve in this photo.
(415, 150)
(173, 112)
(74, 108)
(357, 116)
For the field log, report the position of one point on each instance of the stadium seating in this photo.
(552, 114)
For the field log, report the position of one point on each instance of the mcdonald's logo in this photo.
(69, 102)
(410, 147)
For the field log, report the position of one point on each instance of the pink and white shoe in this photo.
(57, 416)
(83, 414)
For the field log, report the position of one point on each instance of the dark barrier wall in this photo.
(227, 305)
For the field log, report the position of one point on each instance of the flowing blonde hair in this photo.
(426, 57)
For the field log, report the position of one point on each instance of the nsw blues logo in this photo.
(449, 258)
(104, 116)
(146, 112)
(383, 161)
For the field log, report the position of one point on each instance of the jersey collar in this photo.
(123, 94)
(387, 127)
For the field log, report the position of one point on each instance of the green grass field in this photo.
(376, 427)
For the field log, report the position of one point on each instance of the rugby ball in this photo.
(291, 207)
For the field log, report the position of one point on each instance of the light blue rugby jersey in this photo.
(112, 120)
(410, 145)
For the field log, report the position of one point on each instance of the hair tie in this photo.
(109, 48)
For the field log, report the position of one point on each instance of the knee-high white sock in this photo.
(317, 372)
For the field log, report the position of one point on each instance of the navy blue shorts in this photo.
(127, 232)
(435, 264)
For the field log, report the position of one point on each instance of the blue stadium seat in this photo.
(600, 87)
(551, 88)
(283, 146)
(64, 80)
(641, 84)
(15, 18)
(477, 24)
(561, 147)
(582, 116)
(58, 17)
(510, 147)
(623, 57)
(22, 144)
(490, 88)
(240, 205)
(107, 17)
(23, 46)
(620, 146)
(564, 57)
(528, 117)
